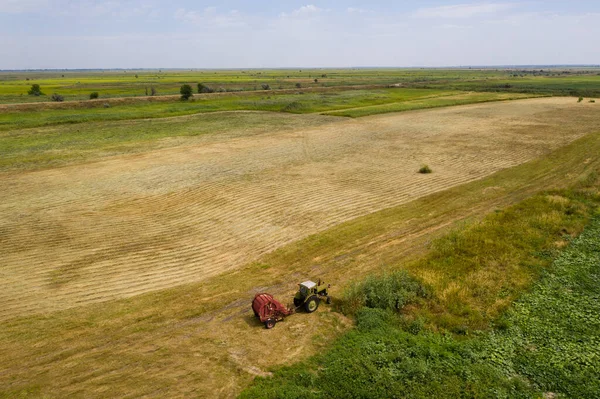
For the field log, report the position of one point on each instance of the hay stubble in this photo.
(131, 224)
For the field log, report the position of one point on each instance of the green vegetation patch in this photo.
(548, 342)
(276, 102)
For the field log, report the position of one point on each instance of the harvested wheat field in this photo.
(130, 224)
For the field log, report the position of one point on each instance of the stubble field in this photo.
(115, 228)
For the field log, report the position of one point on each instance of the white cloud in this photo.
(462, 10)
(304, 11)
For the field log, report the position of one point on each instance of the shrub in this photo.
(425, 169)
(202, 88)
(265, 86)
(592, 101)
(94, 95)
(106, 105)
(388, 292)
(57, 97)
(35, 90)
(298, 85)
(186, 92)
(580, 99)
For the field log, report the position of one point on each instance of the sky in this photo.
(69, 34)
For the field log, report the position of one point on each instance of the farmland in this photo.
(135, 230)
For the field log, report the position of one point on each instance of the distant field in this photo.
(110, 84)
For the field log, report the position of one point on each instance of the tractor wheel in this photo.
(297, 302)
(328, 300)
(270, 324)
(311, 304)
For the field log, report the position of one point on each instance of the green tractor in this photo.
(310, 295)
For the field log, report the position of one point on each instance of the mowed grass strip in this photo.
(442, 101)
(161, 344)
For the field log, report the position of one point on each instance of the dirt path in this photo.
(132, 224)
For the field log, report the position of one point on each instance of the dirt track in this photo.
(132, 224)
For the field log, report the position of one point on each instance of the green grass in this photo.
(291, 103)
(586, 85)
(549, 341)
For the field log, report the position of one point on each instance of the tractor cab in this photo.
(306, 288)
(310, 294)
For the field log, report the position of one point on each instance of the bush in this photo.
(186, 92)
(592, 101)
(425, 169)
(94, 95)
(388, 292)
(580, 99)
(202, 88)
(57, 97)
(265, 86)
(298, 85)
(35, 90)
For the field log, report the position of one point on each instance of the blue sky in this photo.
(261, 34)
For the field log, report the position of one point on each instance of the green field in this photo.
(78, 85)
(110, 84)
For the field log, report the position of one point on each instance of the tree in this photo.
(186, 92)
(94, 95)
(35, 90)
